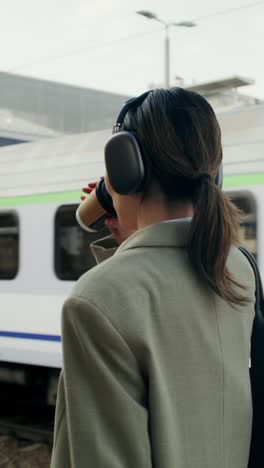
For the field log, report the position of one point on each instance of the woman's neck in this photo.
(158, 209)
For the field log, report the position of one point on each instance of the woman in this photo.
(156, 339)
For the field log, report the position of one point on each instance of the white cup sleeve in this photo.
(86, 228)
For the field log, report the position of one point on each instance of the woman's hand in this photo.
(90, 187)
(111, 223)
(114, 227)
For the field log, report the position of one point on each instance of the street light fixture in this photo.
(147, 14)
(187, 24)
(167, 25)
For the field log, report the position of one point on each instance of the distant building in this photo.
(223, 95)
(31, 108)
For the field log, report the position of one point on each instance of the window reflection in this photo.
(8, 246)
(73, 255)
(247, 236)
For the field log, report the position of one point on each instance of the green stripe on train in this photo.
(74, 197)
(244, 180)
(63, 197)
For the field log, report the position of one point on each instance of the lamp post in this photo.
(167, 25)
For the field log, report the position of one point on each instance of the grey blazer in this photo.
(156, 365)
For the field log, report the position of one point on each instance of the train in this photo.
(43, 250)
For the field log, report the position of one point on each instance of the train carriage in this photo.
(43, 250)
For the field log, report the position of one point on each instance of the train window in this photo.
(8, 245)
(73, 255)
(246, 202)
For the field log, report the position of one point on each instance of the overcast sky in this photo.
(103, 44)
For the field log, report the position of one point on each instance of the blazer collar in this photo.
(166, 234)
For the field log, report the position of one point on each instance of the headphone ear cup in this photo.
(124, 163)
(219, 176)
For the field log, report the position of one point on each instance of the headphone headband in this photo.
(133, 102)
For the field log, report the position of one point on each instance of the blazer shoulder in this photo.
(113, 274)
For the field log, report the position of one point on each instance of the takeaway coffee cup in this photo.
(92, 212)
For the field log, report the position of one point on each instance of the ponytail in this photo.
(213, 231)
(181, 141)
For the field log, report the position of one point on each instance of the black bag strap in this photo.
(257, 369)
(259, 305)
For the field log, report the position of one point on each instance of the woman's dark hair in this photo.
(181, 140)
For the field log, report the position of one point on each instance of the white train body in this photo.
(36, 179)
(31, 302)
(40, 184)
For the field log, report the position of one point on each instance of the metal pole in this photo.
(167, 57)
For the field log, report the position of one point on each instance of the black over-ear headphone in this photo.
(124, 161)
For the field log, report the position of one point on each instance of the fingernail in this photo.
(108, 222)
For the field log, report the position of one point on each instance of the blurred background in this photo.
(62, 57)
(66, 68)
